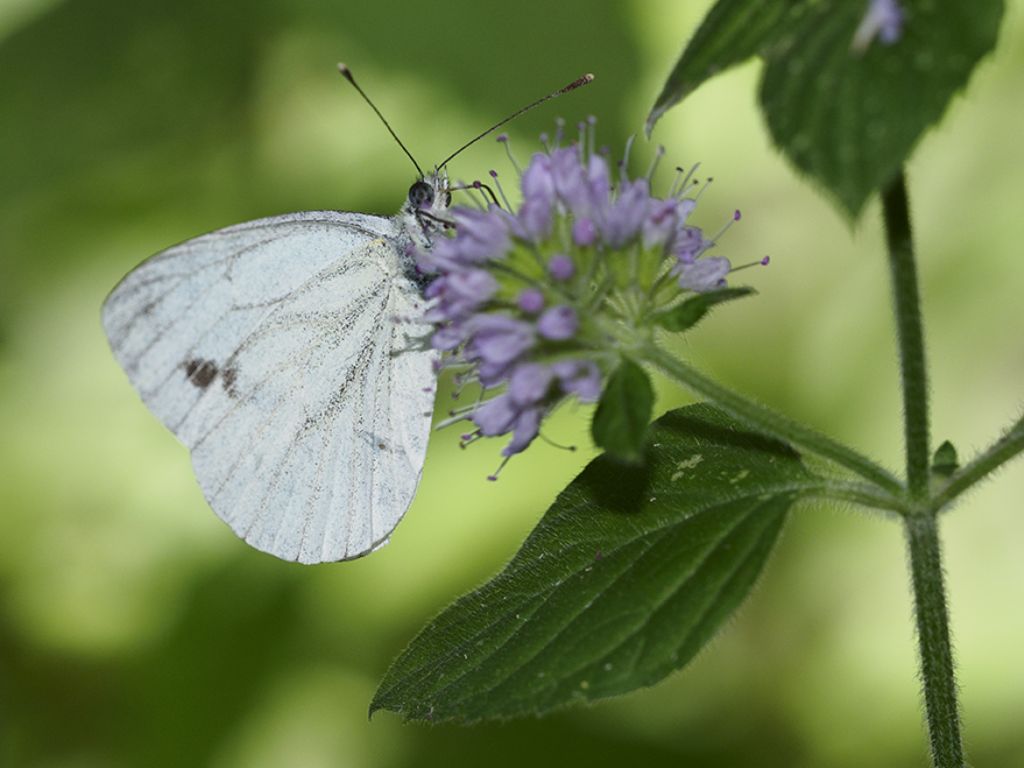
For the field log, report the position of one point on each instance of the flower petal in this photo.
(529, 383)
(705, 274)
(495, 416)
(527, 427)
(558, 323)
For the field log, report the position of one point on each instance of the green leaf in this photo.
(732, 32)
(848, 119)
(945, 461)
(624, 413)
(628, 575)
(687, 314)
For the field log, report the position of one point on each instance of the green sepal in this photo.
(624, 413)
(688, 313)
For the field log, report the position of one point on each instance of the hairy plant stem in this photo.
(768, 421)
(862, 494)
(937, 672)
(896, 212)
(932, 617)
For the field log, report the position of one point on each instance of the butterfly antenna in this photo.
(577, 83)
(347, 74)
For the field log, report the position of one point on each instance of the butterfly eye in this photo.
(447, 199)
(421, 194)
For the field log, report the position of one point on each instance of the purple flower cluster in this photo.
(529, 302)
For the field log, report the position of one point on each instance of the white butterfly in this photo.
(285, 354)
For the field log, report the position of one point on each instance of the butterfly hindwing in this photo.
(282, 353)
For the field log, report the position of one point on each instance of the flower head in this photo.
(537, 305)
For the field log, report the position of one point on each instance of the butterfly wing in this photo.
(283, 353)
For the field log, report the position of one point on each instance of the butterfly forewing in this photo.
(285, 354)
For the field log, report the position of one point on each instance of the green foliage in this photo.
(688, 313)
(849, 119)
(622, 415)
(627, 576)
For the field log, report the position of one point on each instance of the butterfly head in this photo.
(425, 210)
(430, 195)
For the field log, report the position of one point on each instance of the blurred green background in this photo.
(136, 630)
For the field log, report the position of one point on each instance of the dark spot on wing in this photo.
(230, 376)
(200, 372)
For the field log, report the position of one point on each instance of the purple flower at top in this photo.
(884, 20)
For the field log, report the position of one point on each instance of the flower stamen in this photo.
(504, 140)
(678, 190)
(479, 187)
(624, 163)
(725, 228)
(762, 262)
(559, 446)
(497, 183)
(703, 187)
(658, 154)
(494, 478)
